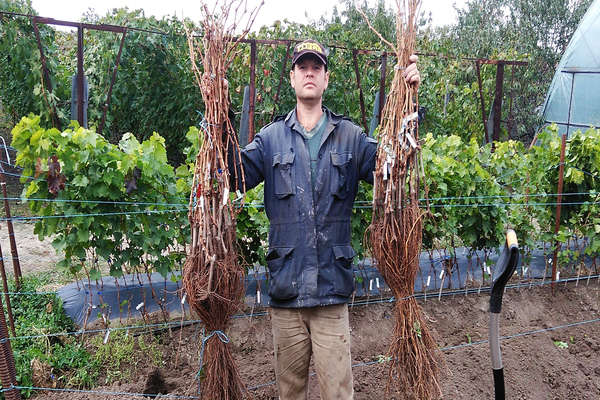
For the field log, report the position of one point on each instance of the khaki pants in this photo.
(325, 332)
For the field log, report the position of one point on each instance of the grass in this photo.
(50, 361)
(68, 361)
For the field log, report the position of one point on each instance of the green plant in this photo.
(42, 330)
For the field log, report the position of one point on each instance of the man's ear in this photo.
(326, 80)
(292, 79)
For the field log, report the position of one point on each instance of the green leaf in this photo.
(80, 180)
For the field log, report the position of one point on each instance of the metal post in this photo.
(80, 89)
(478, 66)
(8, 372)
(570, 102)
(282, 76)
(252, 89)
(360, 91)
(512, 92)
(382, 85)
(6, 295)
(498, 102)
(46, 74)
(112, 83)
(561, 172)
(11, 232)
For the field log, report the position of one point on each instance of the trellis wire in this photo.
(445, 349)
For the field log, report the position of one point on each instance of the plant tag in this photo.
(385, 171)
(557, 275)
(488, 270)
(225, 196)
(258, 296)
(202, 202)
(371, 285)
(377, 282)
(139, 306)
(411, 140)
(442, 274)
(428, 281)
(410, 117)
(106, 337)
(183, 298)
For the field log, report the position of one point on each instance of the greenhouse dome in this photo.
(573, 100)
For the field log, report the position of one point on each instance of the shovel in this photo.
(505, 268)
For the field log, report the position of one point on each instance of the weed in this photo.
(42, 339)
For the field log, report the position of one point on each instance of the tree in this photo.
(540, 30)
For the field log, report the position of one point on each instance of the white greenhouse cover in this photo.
(573, 100)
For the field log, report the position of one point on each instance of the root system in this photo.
(395, 235)
(213, 279)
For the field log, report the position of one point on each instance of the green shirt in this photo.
(313, 137)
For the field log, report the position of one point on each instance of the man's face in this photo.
(309, 78)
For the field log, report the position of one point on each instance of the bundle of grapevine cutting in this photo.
(395, 234)
(213, 279)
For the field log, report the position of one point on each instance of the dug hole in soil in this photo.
(539, 362)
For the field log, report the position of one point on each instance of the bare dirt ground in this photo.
(535, 367)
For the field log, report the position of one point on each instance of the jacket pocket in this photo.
(283, 176)
(283, 277)
(339, 176)
(343, 272)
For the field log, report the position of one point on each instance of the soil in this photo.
(539, 363)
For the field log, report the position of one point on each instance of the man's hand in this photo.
(411, 73)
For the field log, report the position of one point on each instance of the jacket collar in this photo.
(332, 118)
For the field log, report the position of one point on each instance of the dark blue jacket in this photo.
(310, 255)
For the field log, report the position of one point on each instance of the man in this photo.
(311, 162)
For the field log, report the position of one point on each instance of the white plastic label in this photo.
(428, 280)
(258, 296)
(183, 298)
(377, 282)
(411, 140)
(139, 306)
(371, 284)
(442, 274)
(225, 196)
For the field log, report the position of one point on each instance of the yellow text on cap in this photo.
(310, 46)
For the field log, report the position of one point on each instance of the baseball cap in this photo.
(310, 46)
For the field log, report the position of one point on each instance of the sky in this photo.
(295, 11)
